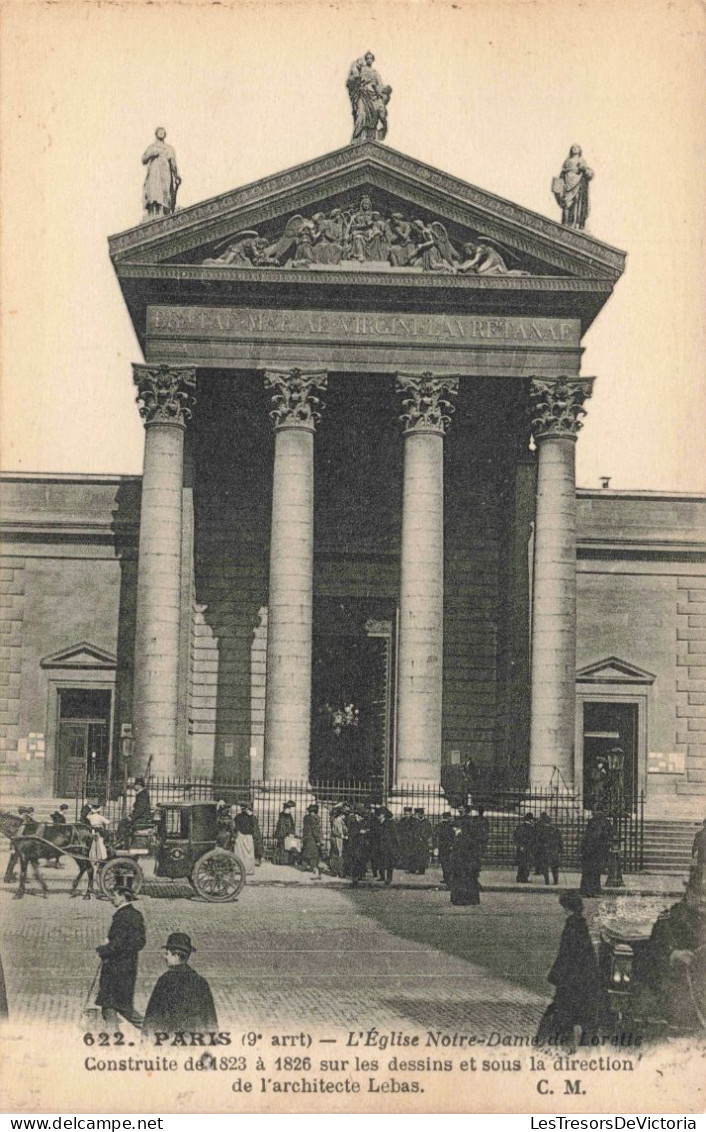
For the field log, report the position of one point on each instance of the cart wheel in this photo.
(121, 870)
(218, 876)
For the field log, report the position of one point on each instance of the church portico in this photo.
(335, 313)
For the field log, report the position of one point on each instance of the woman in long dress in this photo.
(248, 839)
(99, 823)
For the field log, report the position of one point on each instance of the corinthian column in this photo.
(164, 396)
(426, 417)
(288, 693)
(557, 409)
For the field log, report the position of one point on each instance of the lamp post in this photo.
(616, 758)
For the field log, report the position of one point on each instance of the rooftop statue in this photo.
(369, 99)
(570, 189)
(162, 181)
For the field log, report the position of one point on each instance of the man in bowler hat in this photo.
(181, 999)
(118, 954)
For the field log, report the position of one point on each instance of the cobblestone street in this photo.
(305, 954)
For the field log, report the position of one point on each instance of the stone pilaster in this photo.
(289, 633)
(557, 409)
(426, 416)
(165, 395)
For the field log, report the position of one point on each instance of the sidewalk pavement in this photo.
(492, 880)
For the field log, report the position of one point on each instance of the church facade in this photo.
(357, 551)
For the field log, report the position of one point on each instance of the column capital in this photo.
(165, 393)
(426, 409)
(556, 406)
(295, 403)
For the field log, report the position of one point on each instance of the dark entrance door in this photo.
(84, 738)
(607, 725)
(351, 698)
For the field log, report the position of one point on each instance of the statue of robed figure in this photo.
(570, 189)
(369, 98)
(162, 181)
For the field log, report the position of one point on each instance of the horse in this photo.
(33, 841)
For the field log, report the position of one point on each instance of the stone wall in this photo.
(642, 597)
(67, 576)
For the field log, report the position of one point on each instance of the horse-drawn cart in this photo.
(186, 848)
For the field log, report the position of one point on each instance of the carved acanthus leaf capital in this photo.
(295, 403)
(557, 406)
(165, 393)
(427, 407)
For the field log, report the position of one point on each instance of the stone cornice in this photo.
(209, 276)
(374, 165)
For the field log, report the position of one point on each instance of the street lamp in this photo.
(616, 758)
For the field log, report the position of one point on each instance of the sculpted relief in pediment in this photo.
(363, 237)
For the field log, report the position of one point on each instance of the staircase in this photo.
(667, 846)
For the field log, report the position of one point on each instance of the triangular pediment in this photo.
(613, 670)
(81, 655)
(254, 229)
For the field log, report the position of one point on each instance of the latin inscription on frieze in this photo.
(238, 323)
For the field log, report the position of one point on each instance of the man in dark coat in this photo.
(595, 848)
(181, 999)
(404, 838)
(444, 839)
(141, 814)
(311, 840)
(525, 844)
(388, 847)
(358, 832)
(58, 817)
(118, 954)
(579, 1007)
(374, 846)
(420, 828)
(25, 812)
(466, 855)
(550, 846)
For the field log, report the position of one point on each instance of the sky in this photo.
(491, 91)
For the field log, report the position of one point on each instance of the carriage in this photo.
(186, 848)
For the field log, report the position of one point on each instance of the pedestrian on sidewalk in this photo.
(311, 840)
(181, 998)
(287, 845)
(404, 838)
(118, 954)
(525, 844)
(388, 847)
(595, 849)
(358, 831)
(443, 839)
(550, 846)
(338, 836)
(248, 838)
(575, 1015)
(466, 856)
(420, 828)
(374, 846)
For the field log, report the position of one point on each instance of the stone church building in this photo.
(357, 550)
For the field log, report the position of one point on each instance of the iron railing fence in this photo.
(503, 809)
